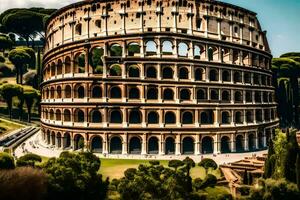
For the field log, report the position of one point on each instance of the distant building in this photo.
(176, 77)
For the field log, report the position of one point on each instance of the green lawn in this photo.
(7, 126)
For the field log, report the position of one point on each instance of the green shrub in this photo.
(5, 70)
(209, 181)
(2, 59)
(6, 161)
(28, 160)
(115, 70)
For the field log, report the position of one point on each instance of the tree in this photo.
(75, 176)
(6, 161)
(30, 95)
(207, 163)
(8, 91)
(270, 161)
(28, 160)
(189, 164)
(20, 58)
(175, 164)
(5, 42)
(298, 170)
(31, 53)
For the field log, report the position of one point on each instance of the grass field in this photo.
(7, 126)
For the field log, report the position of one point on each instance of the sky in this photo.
(281, 18)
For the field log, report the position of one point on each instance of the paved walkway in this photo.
(36, 145)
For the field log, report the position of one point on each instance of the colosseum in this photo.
(157, 77)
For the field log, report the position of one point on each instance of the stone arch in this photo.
(153, 117)
(226, 95)
(153, 144)
(52, 69)
(52, 92)
(58, 92)
(115, 145)
(225, 117)
(207, 117)
(201, 95)
(135, 117)
(133, 71)
(213, 75)
(115, 70)
(247, 77)
(68, 91)
(48, 137)
(238, 117)
(187, 117)
(151, 47)
(134, 93)
(183, 49)
(260, 140)
(67, 65)
(167, 47)
(97, 144)
(199, 51)
(239, 143)
(78, 29)
(96, 59)
(58, 140)
(53, 139)
(96, 91)
(170, 118)
(59, 67)
(226, 76)
(78, 142)
(151, 72)
(238, 97)
(225, 144)
(78, 115)
(199, 74)
(58, 115)
(249, 116)
(116, 50)
(188, 146)
(135, 145)
(79, 63)
(183, 73)
(67, 115)
(79, 91)
(170, 145)
(248, 96)
(212, 53)
(95, 116)
(51, 114)
(207, 145)
(185, 94)
(237, 77)
(214, 95)
(168, 73)
(67, 140)
(168, 94)
(152, 93)
(115, 92)
(133, 49)
(251, 142)
(116, 117)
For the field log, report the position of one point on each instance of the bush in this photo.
(115, 70)
(154, 162)
(28, 160)
(208, 163)
(5, 70)
(209, 181)
(2, 59)
(6, 161)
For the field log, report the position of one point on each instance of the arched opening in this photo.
(168, 73)
(213, 75)
(199, 74)
(67, 140)
(187, 118)
(53, 138)
(183, 73)
(67, 115)
(80, 92)
(58, 140)
(168, 94)
(238, 118)
(97, 144)
(79, 63)
(59, 67)
(96, 92)
(238, 96)
(257, 96)
(68, 91)
(133, 71)
(258, 115)
(96, 116)
(78, 29)
(67, 65)
(188, 146)
(251, 142)
(134, 49)
(151, 72)
(170, 146)
(225, 118)
(170, 118)
(135, 146)
(183, 49)
(152, 117)
(78, 142)
(260, 140)
(207, 117)
(116, 50)
(249, 117)
(226, 76)
(247, 77)
(135, 117)
(115, 70)
(248, 96)
(116, 117)
(58, 115)
(167, 48)
(214, 95)
(153, 145)
(115, 92)
(51, 114)
(239, 143)
(52, 93)
(201, 95)
(237, 77)
(96, 60)
(58, 92)
(225, 144)
(79, 116)
(185, 94)
(48, 137)
(151, 48)
(115, 145)
(225, 96)
(134, 93)
(207, 145)
(152, 93)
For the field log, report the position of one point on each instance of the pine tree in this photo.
(269, 163)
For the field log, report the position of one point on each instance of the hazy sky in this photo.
(281, 18)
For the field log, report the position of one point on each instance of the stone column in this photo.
(178, 145)
(162, 145)
(125, 117)
(125, 144)
(197, 145)
(105, 143)
(144, 144)
(246, 142)
(233, 144)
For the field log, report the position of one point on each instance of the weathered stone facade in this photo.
(175, 77)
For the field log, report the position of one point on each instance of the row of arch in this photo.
(153, 117)
(134, 144)
(152, 93)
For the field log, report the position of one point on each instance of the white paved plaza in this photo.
(36, 145)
